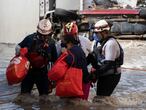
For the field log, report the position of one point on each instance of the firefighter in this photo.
(41, 51)
(109, 60)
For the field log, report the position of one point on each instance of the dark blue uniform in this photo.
(40, 53)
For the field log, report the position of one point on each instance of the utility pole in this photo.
(41, 9)
(45, 6)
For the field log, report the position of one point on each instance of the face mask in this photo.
(97, 37)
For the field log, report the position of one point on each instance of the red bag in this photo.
(17, 69)
(71, 84)
(59, 68)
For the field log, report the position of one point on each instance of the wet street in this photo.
(130, 94)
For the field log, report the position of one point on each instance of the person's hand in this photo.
(23, 51)
(93, 70)
(93, 75)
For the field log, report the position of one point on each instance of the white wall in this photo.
(68, 4)
(132, 3)
(17, 19)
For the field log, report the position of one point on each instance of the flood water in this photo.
(130, 94)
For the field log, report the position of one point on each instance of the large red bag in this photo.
(59, 68)
(71, 84)
(17, 69)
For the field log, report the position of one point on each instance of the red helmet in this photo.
(71, 28)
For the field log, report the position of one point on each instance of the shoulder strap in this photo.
(72, 57)
(34, 42)
(102, 44)
(120, 59)
(108, 39)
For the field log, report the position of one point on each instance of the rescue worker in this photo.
(41, 51)
(72, 41)
(108, 67)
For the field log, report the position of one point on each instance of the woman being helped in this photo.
(79, 60)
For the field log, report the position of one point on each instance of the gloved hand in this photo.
(23, 51)
(93, 75)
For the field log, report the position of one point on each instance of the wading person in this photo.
(41, 51)
(72, 42)
(108, 71)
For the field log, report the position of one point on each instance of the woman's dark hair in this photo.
(71, 39)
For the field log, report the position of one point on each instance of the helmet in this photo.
(44, 27)
(71, 28)
(101, 25)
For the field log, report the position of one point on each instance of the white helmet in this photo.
(44, 27)
(101, 25)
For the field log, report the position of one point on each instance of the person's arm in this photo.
(106, 66)
(53, 53)
(69, 59)
(110, 56)
(20, 45)
(91, 59)
(89, 45)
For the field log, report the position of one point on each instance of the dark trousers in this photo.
(107, 84)
(38, 77)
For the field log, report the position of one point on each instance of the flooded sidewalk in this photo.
(129, 94)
